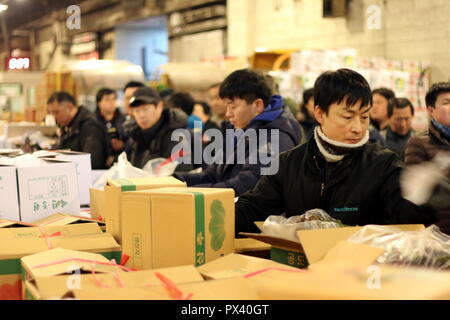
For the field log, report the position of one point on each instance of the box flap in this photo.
(133, 184)
(349, 254)
(316, 243)
(236, 265)
(248, 244)
(36, 231)
(60, 219)
(61, 261)
(274, 241)
(14, 224)
(229, 289)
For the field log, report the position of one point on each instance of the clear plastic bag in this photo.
(425, 248)
(286, 228)
(121, 169)
(160, 167)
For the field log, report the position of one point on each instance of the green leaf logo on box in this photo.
(217, 225)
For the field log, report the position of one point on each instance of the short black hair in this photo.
(337, 86)
(307, 94)
(435, 90)
(388, 94)
(104, 92)
(181, 100)
(399, 103)
(60, 97)
(133, 84)
(247, 85)
(205, 106)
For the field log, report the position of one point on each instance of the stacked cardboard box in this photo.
(29, 240)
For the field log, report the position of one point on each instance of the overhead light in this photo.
(3, 7)
(260, 49)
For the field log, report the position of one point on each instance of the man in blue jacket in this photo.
(251, 108)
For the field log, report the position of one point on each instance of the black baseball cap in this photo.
(144, 95)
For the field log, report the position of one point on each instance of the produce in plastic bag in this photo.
(425, 248)
(286, 228)
(160, 167)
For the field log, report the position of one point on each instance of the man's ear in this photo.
(430, 110)
(319, 114)
(259, 104)
(160, 106)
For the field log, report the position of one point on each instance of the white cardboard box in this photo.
(84, 172)
(49, 188)
(9, 204)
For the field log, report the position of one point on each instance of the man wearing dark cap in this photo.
(151, 138)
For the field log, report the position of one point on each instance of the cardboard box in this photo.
(84, 171)
(313, 244)
(177, 226)
(116, 187)
(61, 219)
(9, 206)
(97, 203)
(228, 289)
(348, 273)
(47, 189)
(236, 265)
(25, 241)
(56, 287)
(57, 262)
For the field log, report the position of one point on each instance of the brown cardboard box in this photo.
(26, 241)
(252, 247)
(228, 289)
(61, 219)
(56, 287)
(177, 226)
(116, 187)
(348, 273)
(97, 203)
(313, 244)
(236, 265)
(55, 263)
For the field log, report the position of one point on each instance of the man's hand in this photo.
(117, 144)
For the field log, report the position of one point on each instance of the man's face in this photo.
(344, 124)
(240, 113)
(218, 106)
(310, 106)
(379, 109)
(441, 111)
(108, 104)
(146, 115)
(199, 112)
(61, 111)
(128, 93)
(401, 121)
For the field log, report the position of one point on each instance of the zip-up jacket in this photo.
(361, 189)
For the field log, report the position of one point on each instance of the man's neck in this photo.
(107, 116)
(384, 124)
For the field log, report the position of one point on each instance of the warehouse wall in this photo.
(410, 29)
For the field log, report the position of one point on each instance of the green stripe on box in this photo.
(290, 258)
(200, 251)
(126, 185)
(116, 255)
(10, 267)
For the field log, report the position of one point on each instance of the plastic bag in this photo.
(121, 169)
(286, 228)
(160, 167)
(425, 248)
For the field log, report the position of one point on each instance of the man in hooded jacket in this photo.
(251, 109)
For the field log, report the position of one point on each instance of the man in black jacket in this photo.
(112, 119)
(151, 138)
(79, 131)
(336, 170)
